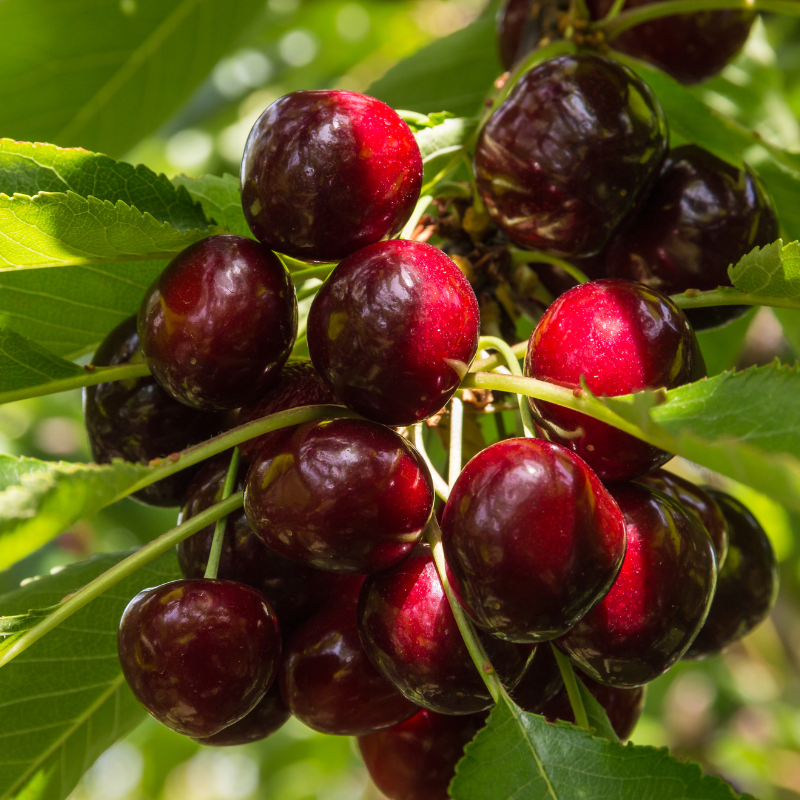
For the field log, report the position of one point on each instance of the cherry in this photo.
(219, 323)
(416, 760)
(690, 47)
(692, 497)
(541, 682)
(393, 331)
(747, 586)
(294, 590)
(621, 337)
(532, 539)
(411, 635)
(660, 599)
(328, 681)
(702, 216)
(299, 384)
(138, 421)
(266, 718)
(326, 173)
(523, 25)
(199, 654)
(566, 156)
(623, 707)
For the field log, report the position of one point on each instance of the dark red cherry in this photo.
(411, 635)
(219, 323)
(702, 216)
(541, 682)
(566, 156)
(660, 599)
(138, 421)
(393, 331)
(690, 47)
(294, 590)
(622, 706)
(695, 499)
(299, 384)
(532, 539)
(199, 654)
(747, 586)
(326, 173)
(344, 495)
(416, 760)
(524, 25)
(266, 718)
(622, 337)
(328, 681)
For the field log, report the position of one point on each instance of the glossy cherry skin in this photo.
(747, 586)
(328, 681)
(411, 635)
(660, 599)
(416, 760)
(702, 216)
(199, 654)
(690, 47)
(622, 706)
(294, 590)
(532, 539)
(344, 495)
(266, 718)
(541, 682)
(566, 156)
(692, 497)
(622, 337)
(393, 330)
(219, 323)
(326, 173)
(299, 385)
(138, 421)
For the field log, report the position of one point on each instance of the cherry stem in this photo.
(308, 292)
(118, 572)
(532, 256)
(439, 484)
(422, 206)
(614, 10)
(513, 365)
(474, 646)
(728, 296)
(456, 440)
(492, 362)
(573, 691)
(321, 271)
(219, 531)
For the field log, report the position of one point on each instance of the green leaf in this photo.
(220, 200)
(519, 756)
(24, 363)
(64, 700)
(103, 75)
(40, 499)
(439, 143)
(721, 346)
(596, 714)
(771, 271)
(27, 168)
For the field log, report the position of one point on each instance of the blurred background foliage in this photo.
(739, 714)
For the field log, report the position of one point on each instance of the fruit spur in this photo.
(354, 585)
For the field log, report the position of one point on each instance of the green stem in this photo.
(574, 693)
(89, 377)
(109, 578)
(614, 10)
(474, 646)
(491, 362)
(728, 296)
(311, 290)
(456, 440)
(439, 484)
(513, 365)
(449, 167)
(219, 531)
(422, 206)
(320, 271)
(532, 256)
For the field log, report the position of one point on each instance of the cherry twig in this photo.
(728, 296)
(513, 364)
(439, 483)
(456, 440)
(571, 684)
(219, 531)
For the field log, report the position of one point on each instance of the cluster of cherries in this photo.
(327, 604)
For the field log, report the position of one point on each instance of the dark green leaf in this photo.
(64, 700)
(722, 345)
(219, 198)
(771, 271)
(24, 363)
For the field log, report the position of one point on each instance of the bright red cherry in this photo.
(416, 760)
(219, 323)
(692, 497)
(541, 682)
(747, 586)
(702, 215)
(328, 681)
(621, 337)
(532, 539)
(411, 635)
(566, 156)
(660, 599)
(326, 173)
(138, 421)
(690, 47)
(345, 495)
(393, 331)
(199, 654)
(299, 384)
